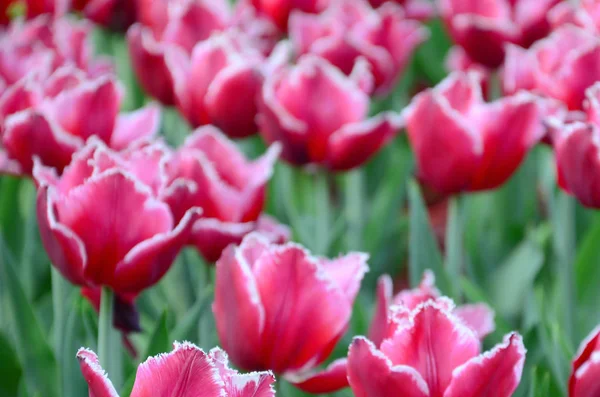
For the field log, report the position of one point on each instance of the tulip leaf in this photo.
(510, 282)
(189, 322)
(159, 341)
(587, 278)
(41, 371)
(424, 252)
(10, 369)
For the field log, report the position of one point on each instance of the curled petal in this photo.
(97, 380)
(479, 317)
(135, 126)
(496, 373)
(371, 374)
(379, 325)
(329, 380)
(211, 236)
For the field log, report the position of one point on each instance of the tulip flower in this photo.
(483, 29)
(33, 8)
(479, 317)
(186, 371)
(52, 118)
(279, 11)
(279, 308)
(174, 30)
(350, 30)
(113, 14)
(210, 172)
(429, 352)
(457, 60)
(576, 148)
(462, 143)
(320, 115)
(420, 10)
(562, 66)
(585, 14)
(586, 364)
(102, 222)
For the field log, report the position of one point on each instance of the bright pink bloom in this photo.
(482, 28)
(458, 60)
(586, 367)
(420, 10)
(113, 14)
(210, 172)
(102, 222)
(320, 116)
(562, 66)
(279, 11)
(462, 143)
(34, 8)
(577, 150)
(52, 118)
(585, 14)
(173, 30)
(429, 352)
(479, 316)
(279, 308)
(350, 30)
(185, 372)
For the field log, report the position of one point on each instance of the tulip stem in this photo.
(58, 311)
(105, 327)
(454, 244)
(354, 204)
(322, 212)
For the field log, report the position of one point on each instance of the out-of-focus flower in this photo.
(585, 14)
(577, 151)
(52, 118)
(33, 8)
(430, 352)
(462, 143)
(458, 60)
(350, 30)
(479, 316)
(210, 172)
(114, 14)
(44, 45)
(562, 66)
(482, 28)
(177, 27)
(102, 222)
(320, 115)
(279, 308)
(279, 11)
(185, 371)
(586, 367)
(420, 10)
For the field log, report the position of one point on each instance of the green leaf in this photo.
(424, 252)
(587, 274)
(190, 320)
(36, 354)
(511, 281)
(10, 369)
(159, 341)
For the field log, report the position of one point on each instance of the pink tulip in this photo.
(350, 30)
(185, 372)
(586, 364)
(585, 14)
(279, 11)
(429, 352)
(420, 10)
(279, 308)
(34, 8)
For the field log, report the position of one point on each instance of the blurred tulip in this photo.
(279, 308)
(479, 317)
(102, 222)
(186, 371)
(458, 60)
(320, 115)
(482, 28)
(279, 11)
(33, 8)
(429, 352)
(577, 149)
(585, 14)
(210, 172)
(52, 118)
(562, 66)
(113, 14)
(420, 10)
(350, 30)
(586, 367)
(462, 143)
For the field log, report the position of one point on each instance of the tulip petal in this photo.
(239, 314)
(135, 126)
(496, 373)
(20, 96)
(305, 310)
(518, 72)
(356, 143)
(435, 336)
(211, 236)
(479, 317)
(379, 325)
(185, 372)
(584, 354)
(348, 271)
(254, 384)
(97, 380)
(9, 166)
(329, 380)
(371, 374)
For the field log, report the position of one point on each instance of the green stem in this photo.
(58, 308)
(105, 327)
(454, 244)
(322, 212)
(354, 191)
